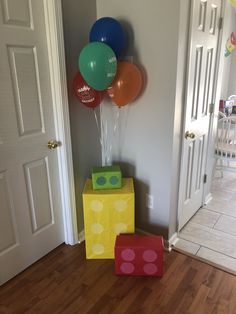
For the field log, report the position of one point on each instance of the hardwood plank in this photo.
(65, 282)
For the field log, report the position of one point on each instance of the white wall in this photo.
(78, 17)
(232, 67)
(147, 147)
(229, 67)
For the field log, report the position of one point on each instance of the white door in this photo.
(204, 31)
(31, 221)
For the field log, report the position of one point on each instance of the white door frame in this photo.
(55, 41)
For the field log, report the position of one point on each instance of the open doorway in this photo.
(210, 233)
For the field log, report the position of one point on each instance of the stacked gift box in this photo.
(108, 201)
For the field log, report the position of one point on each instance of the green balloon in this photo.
(98, 65)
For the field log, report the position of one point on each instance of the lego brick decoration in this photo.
(139, 255)
(105, 178)
(107, 213)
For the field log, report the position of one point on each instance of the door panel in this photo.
(18, 17)
(203, 43)
(30, 200)
(7, 223)
(26, 88)
(213, 20)
(207, 84)
(189, 176)
(39, 194)
(196, 83)
(202, 16)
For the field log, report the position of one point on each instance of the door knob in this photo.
(53, 144)
(189, 135)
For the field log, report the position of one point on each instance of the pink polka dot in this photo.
(127, 268)
(150, 269)
(128, 255)
(149, 256)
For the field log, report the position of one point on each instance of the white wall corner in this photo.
(81, 236)
(208, 198)
(172, 241)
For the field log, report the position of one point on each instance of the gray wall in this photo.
(148, 141)
(78, 16)
(147, 146)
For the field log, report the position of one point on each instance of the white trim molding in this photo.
(81, 236)
(208, 198)
(54, 30)
(173, 240)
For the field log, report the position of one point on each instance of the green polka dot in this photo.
(101, 181)
(113, 180)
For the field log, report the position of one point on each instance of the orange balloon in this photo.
(127, 84)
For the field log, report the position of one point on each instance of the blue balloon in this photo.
(109, 31)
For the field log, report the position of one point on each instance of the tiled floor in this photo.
(211, 233)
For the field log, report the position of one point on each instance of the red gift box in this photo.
(139, 255)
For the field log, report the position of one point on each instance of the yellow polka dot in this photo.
(120, 205)
(96, 205)
(97, 228)
(98, 249)
(120, 228)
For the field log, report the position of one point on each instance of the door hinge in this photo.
(211, 108)
(205, 178)
(221, 22)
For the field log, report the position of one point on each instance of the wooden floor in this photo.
(64, 282)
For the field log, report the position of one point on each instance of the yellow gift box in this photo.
(107, 213)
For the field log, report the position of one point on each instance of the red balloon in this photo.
(88, 96)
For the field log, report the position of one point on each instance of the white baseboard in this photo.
(173, 240)
(81, 236)
(208, 198)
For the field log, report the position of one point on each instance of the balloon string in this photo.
(104, 138)
(117, 120)
(99, 131)
(105, 141)
(122, 132)
(105, 145)
(107, 155)
(115, 128)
